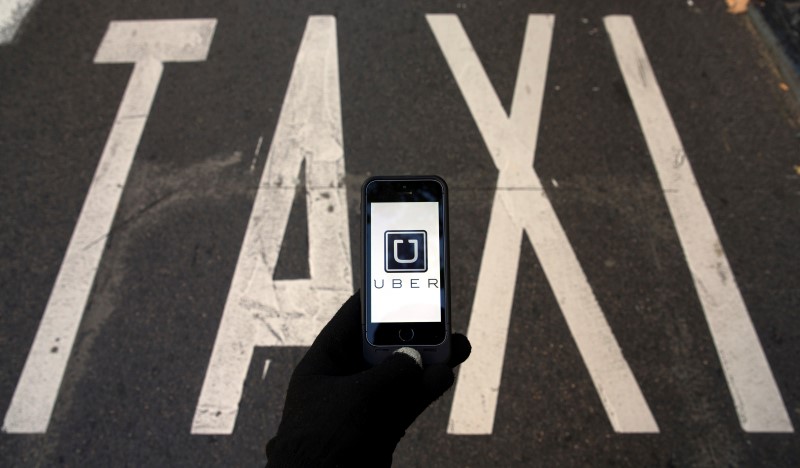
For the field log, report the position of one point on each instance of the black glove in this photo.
(341, 412)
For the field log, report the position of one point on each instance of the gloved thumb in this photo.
(401, 372)
(436, 380)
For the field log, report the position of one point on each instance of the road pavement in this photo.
(180, 215)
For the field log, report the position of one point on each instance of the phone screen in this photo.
(405, 266)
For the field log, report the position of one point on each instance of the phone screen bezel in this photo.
(406, 189)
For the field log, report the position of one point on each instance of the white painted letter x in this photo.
(520, 204)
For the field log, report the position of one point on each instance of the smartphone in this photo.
(405, 291)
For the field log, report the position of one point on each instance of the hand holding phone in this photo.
(340, 411)
(405, 266)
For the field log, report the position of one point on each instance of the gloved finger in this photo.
(436, 380)
(393, 391)
(460, 349)
(397, 377)
(337, 349)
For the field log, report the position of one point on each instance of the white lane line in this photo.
(755, 394)
(261, 311)
(12, 14)
(511, 141)
(256, 152)
(266, 368)
(36, 392)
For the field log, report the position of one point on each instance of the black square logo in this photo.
(405, 251)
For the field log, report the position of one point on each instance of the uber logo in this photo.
(405, 251)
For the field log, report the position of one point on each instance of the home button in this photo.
(406, 334)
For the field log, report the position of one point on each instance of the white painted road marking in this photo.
(147, 44)
(12, 13)
(261, 311)
(520, 204)
(755, 394)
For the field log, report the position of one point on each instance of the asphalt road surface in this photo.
(180, 211)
